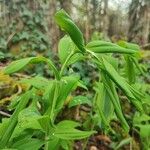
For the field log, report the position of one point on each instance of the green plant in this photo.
(34, 123)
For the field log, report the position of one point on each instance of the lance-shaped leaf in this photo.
(24, 99)
(123, 85)
(18, 65)
(131, 62)
(123, 143)
(108, 47)
(28, 143)
(110, 87)
(67, 24)
(37, 82)
(72, 134)
(130, 69)
(128, 45)
(66, 130)
(78, 100)
(27, 119)
(104, 107)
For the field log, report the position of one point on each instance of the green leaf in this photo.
(133, 95)
(142, 122)
(108, 68)
(28, 143)
(37, 82)
(48, 95)
(72, 134)
(66, 144)
(18, 65)
(68, 124)
(82, 85)
(67, 24)
(54, 143)
(110, 87)
(112, 60)
(138, 119)
(135, 61)
(68, 84)
(44, 121)
(128, 45)
(76, 57)
(103, 105)
(65, 47)
(27, 119)
(144, 130)
(67, 131)
(78, 100)
(108, 47)
(3, 126)
(53, 96)
(130, 69)
(24, 99)
(131, 61)
(123, 142)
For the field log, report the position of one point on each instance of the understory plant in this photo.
(35, 122)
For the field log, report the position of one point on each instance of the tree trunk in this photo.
(54, 30)
(103, 18)
(139, 19)
(66, 5)
(94, 4)
(87, 25)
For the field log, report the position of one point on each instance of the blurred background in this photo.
(29, 24)
(27, 28)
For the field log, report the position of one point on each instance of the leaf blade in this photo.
(67, 24)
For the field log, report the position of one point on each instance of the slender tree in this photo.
(139, 19)
(67, 5)
(54, 31)
(87, 23)
(103, 17)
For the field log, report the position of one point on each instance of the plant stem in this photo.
(52, 112)
(65, 63)
(47, 143)
(51, 65)
(51, 109)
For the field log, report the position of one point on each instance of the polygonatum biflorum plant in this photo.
(34, 123)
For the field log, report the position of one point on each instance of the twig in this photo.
(4, 114)
(10, 37)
